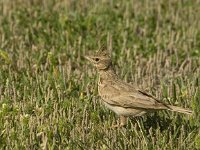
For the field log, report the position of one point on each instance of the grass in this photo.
(48, 92)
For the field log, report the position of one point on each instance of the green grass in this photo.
(48, 92)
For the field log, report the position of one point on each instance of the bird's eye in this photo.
(96, 59)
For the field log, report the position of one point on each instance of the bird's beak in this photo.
(88, 58)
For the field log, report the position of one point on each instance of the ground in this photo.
(48, 91)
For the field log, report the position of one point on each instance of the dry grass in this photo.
(49, 101)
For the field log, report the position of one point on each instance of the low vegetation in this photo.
(48, 91)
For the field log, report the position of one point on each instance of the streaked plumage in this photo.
(122, 98)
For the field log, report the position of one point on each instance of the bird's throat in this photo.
(107, 74)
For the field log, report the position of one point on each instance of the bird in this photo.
(122, 98)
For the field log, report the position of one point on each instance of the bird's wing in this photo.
(131, 98)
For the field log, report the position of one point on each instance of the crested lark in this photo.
(122, 98)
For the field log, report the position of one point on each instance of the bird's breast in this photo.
(100, 88)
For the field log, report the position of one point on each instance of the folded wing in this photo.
(132, 98)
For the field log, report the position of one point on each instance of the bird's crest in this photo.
(102, 51)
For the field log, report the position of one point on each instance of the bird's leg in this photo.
(122, 122)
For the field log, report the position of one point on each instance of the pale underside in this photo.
(125, 111)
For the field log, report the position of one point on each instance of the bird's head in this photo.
(101, 60)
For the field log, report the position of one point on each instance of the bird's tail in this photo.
(179, 109)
